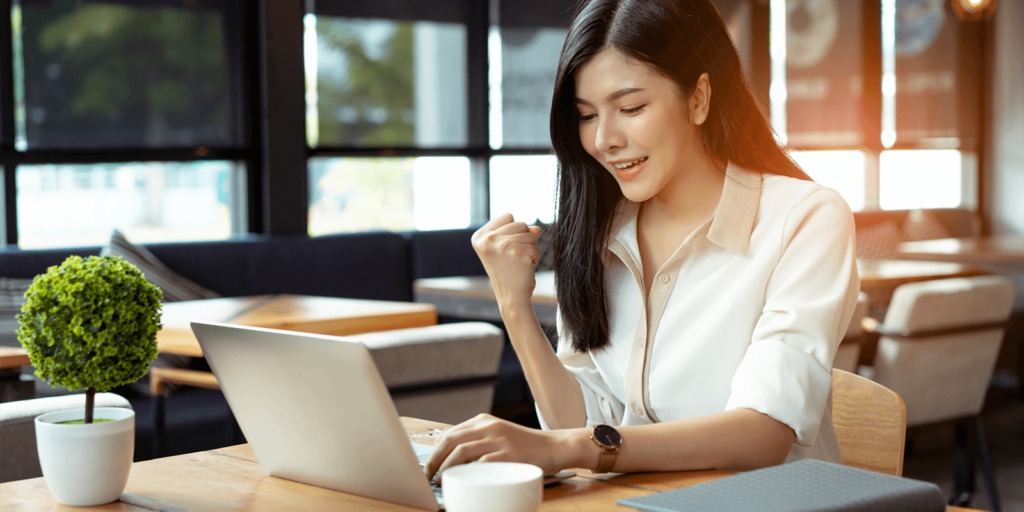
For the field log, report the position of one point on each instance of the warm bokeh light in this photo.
(974, 10)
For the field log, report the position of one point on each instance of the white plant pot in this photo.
(86, 465)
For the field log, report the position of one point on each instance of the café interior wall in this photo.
(1005, 189)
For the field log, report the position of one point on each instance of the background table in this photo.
(472, 297)
(318, 315)
(14, 386)
(996, 252)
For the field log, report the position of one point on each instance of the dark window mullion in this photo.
(10, 206)
(871, 71)
(478, 118)
(761, 59)
(284, 175)
(251, 92)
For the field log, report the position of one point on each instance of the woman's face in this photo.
(636, 123)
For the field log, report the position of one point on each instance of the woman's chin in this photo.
(634, 192)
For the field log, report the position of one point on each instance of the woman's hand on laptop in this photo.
(489, 439)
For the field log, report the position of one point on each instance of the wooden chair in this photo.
(870, 422)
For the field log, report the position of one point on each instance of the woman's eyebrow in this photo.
(613, 96)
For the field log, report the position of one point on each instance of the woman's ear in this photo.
(700, 100)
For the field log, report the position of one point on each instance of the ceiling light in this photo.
(974, 10)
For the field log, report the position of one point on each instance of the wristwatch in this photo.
(609, 440)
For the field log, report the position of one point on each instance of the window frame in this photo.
(267, 82)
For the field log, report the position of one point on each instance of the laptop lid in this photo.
(315, 410)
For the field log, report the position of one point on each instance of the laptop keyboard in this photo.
(423, 452)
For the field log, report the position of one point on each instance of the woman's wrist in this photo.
(515, 309)
(576, 449)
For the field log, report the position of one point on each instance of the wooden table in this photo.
(14, 385)
(473, 297)
(13, 358)
(231, 479)
(319, 315)
(996, 252)
(878, 278)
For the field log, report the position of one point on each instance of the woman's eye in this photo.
(633, 110)
(587, 117)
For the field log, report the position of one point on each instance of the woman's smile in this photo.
(628, 170)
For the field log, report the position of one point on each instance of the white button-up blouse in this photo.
(747, 313)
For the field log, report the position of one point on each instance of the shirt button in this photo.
(638, 410)
(663, 278)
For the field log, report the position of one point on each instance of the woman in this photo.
(703, 281)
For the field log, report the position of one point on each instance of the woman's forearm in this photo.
(740, 439)
(555, 389)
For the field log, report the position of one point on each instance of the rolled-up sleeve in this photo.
(786, 373)
(601, 404)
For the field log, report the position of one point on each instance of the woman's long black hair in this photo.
(680, 39)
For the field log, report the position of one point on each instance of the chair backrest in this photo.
(870, 423)
(19, 459)
(939, 342)
(444, 373)
(848, 353)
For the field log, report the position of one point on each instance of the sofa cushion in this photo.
(175, 286)
(443, 253)
(29, 263)
(372, 265)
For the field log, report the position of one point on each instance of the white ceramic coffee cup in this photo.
(492, 486)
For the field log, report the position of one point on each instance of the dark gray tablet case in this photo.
(807, 485)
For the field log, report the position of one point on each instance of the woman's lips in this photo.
(631, 172)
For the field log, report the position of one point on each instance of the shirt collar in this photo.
(733, 220)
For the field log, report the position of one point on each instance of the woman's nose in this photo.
(608, 136)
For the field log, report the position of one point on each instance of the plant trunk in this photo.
(90, 401)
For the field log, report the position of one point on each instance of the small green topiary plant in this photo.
(90, 324)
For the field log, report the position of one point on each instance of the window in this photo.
(841, 170)
(152, 116)
(126, 114)
(875, 117)
(430, 114)
(80, 204)
(398, 194)
(524, 186)
(122, 74)
(381, 82)
(524, 47)
(920, 179)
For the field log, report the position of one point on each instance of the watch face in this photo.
(607, 436)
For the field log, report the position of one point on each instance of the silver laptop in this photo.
(315, 410)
